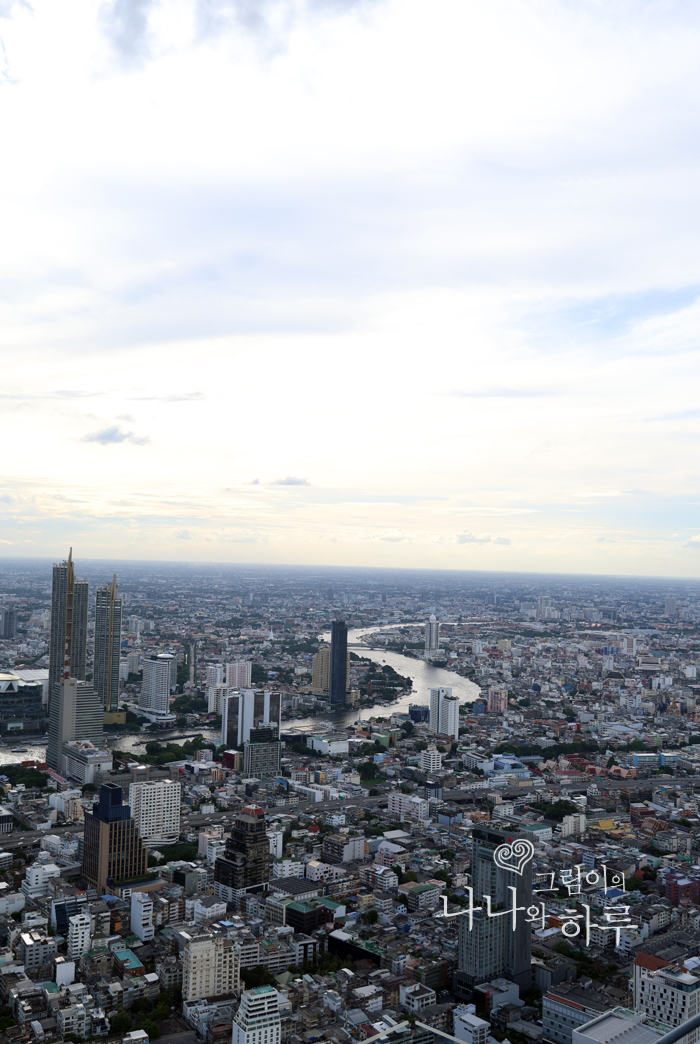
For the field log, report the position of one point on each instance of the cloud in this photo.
(465, 537)
(683, 415)
(113, 434)
(182, 397)
(183, 534)
(125, 24)
(693, 542)
(289, 481)
(500, 393)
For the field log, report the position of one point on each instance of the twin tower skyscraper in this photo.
(77, 707)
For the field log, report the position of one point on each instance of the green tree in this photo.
(120, 1023)
(370, 916)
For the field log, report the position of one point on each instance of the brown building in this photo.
(113, 850)
(246, 860)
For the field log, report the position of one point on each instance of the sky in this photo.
(352, 282)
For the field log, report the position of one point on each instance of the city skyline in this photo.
(493, 265)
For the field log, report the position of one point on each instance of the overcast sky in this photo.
(383, 282)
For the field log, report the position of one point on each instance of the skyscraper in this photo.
(112, 850)
(210, 967)
(245, 864)
(261, 753)
(492, 948)
(432, 637)
(238, 674)
(155, 806)
(69, 613)
(246, 710)
(155, 687)
(321, 672)
(444, 713)
(257, 1020)
(76, 713)
(9, 623)
(339, 661)
(108, 634)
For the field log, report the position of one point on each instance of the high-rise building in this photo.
(214, 675)
(156, 684)
(78, 935)
(155, 807)
(9, 624)
(430, 760)
(321, 672)
(261, 753)
(432, 637)
(210, 967)
(108, 636)
(246, 862)
(238, 674)
(670, 605)
(497, 701)
(76, 712)
(142, 916)
(69, 614)
(444, 713)
(257, 1020)
(215, 697)
(492, 948)
(246, 710)
(339, 663)
(112, 849)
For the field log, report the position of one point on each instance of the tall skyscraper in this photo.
(444, 713)
(492, 948)
(156, 684)
(246, 710)
(432, 637)
(69, 613)
(210, 967)
(9, 623)
(155, 806)
(112, 850)
(76, 712)
(245, 864)
(321, 672)
(339, 663)
(257, 1020)
(238, 674)
(108, 635)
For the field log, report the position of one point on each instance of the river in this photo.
(424, 675)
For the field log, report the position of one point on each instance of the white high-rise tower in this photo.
(155, 807)
(432, 637)
(257, 1020)
(444, 713)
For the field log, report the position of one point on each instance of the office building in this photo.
(108, 635)
(339, 663)
(430, 760)
(621, 1024)
(666, 992)
(432, 637)
(246, 710)
(497, 700)
(257, 1020)
(261, 753)
(8, 624)
(246, 863)
(210, 967)
(78, 935)
(69, 614)
(321, 672)
(238, 674)
(112, 849)
(21, 707)
(75, 712)
(156, 684)
(142, 916)
(155, 807)
(444, 713)
(670, 605)
(565, 1008)
(81, 760)
(491, 947)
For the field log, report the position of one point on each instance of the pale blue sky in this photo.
(438, 263)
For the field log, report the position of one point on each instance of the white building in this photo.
(257, 1020)
(215, 697)
(497, 700)
(142, 916)
(432, 637)
(37, 877)
(81, 759)
(574, 824)
(430, 760)
(214, 675)
(666, 992)
(155, 806)
(276, 843)
(156, 685)
(78, 935)
(209, 967)
(409, 806)
(444, 713)
(238, 674)
(469, 1028)
(414, 996)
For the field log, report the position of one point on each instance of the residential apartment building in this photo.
(665, 992)
(209, 966)
(257, 1020)
(342, 848)
(444, 713)
(408, 806)
(155, 807)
